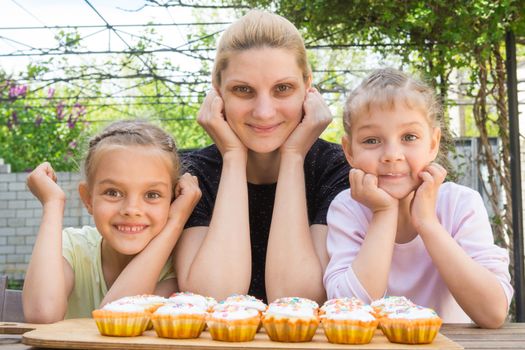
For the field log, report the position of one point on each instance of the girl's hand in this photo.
(42, 183)
(316, 118)
(211, 118)
(423, 208)
(187, 195)
(365, 191)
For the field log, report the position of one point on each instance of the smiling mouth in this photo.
(130, 228)
(263, 129)
(392, 176)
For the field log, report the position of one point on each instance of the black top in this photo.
(326, 174)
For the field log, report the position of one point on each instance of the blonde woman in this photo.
(267, 182)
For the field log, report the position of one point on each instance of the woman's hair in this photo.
(131, 133)
(259, 29)
(386, 87)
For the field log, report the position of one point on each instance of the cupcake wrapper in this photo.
(178, 327)
(233, 330)
(290, 330)
(349, 331)
(120, 324)
(404, 331)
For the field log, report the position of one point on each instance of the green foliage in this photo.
(32, 132)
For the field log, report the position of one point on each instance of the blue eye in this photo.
(410, 137)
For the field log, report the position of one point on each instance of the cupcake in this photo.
(349, 325)
(414, 325)
(246, 301)
(386, 305)
(297, 301)
(179, 321)
(148, 301)
(233, 323)
(291, 320)
(344, 303)
(205, 303)
(121, 320)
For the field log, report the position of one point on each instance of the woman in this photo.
(267, 182)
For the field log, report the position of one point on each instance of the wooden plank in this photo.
(83, 334)
(480, 345)
(16, 328)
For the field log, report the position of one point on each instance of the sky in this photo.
(35, 13)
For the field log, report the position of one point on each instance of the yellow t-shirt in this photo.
(81, 247)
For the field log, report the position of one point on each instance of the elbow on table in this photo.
(492, 320)
(40, 318)
(43, 315)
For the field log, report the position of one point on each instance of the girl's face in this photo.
(263, 92)
(393, 144)
(130, 195)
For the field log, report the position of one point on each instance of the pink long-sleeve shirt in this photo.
(463, 215)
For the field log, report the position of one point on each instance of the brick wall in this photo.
(20, 215)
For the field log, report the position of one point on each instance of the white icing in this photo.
(392, 303)
(178, 309)
(234, 313)
(356, 314)
(190, 298)
(142, 300)
(345, 304)
(298, 301)
(290, 310)
(413, 313)
(121, 307)
(246, 301)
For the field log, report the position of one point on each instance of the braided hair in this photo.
(131, 133)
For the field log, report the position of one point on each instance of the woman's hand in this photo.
(211, 118)
(365, 191)
(187, 195)
(316, 118)
(42, 182)
(423, 208)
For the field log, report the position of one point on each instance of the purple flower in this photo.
(71, 122)
(79, 110)
(14, 116)
(73, 144)
(50, 92)
(38, 120)
(60, 110)
(17, 91)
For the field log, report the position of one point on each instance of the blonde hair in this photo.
(386, 87)
(259, 29)
(131, 133)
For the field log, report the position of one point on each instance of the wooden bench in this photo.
(11, 309)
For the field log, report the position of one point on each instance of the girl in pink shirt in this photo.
(400, 230)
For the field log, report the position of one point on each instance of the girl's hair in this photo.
(259, 29)
(131, 133)
(386, 87)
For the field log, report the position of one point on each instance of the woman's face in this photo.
(263, 92)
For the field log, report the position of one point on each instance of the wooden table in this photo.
(510, 336)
